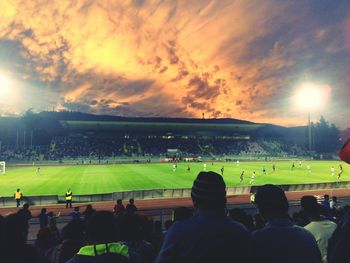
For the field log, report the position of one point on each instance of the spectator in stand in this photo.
(131, 207)
(130, 227)
(14, 248)
(88, 212)
(320, 227)
(280, 240)
(43, 218)
(25, 212)
(325, 202)
(44, 241)
(75, 214)
(209, 236)
(72, 240)
(53, 226)
(101, 234)
(119, 208)
(333, 204)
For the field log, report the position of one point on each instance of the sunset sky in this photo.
(241, 59)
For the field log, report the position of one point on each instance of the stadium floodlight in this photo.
(5, 87)
(309, 98)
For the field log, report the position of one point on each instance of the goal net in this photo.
(2, 167)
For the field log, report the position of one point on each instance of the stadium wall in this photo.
(161, 193)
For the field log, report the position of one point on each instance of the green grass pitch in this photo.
(92, 179)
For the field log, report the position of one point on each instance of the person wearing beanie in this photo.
(280, 240)
(209, 236)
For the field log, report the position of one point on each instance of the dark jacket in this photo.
(102, 253)
(282, 241)
(207, 238)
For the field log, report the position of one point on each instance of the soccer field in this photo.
(92, 179)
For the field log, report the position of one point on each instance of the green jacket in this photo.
(104, 253)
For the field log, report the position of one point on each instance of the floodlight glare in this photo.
(311, 97)
(5, 88)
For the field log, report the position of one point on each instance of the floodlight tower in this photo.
(310, 97)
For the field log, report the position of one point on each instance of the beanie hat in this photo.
(209, 187)
(271, 196)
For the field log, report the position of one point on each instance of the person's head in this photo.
(88, 208)
(334, 198)
(209, 192)
(68, 190)
(101, 228)
(272, 202)
(313, 209)
(308, 201)
(132, 201)
(76, 209)
(43, 210)
(16, 229)
(26, 206)
(18, 189)
(119, 202)
(326, 197)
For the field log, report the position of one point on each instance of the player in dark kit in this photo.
(188, 168)
(293, 166)
(274, 168)
(340, 171)
(222, 171)
(241, 177)
(264, 170)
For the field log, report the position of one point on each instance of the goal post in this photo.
(2, 167)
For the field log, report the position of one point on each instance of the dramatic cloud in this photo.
(239, 59)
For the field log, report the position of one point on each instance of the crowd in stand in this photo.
(75, 147)
(319, 232)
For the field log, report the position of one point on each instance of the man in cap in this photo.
(280, 240)
(209, 236)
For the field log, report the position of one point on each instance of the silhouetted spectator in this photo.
(333, 204)
(43, 218)
(182, 213)
(157, 236)
(325, 202)
(306, 202)
(52, 225)
(101, 233)
(131, 207)
(119, 208)
(320, 227)
(88, 212)
(241, 216)
(44, 241)
(209, 236)
(75, 214)
(130, 226)
(72, 240)
(25, 212)
(14, 248)
(280, 240)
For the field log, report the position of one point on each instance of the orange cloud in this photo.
(175, 58)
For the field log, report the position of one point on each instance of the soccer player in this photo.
(293, 166)
(300, 164)
(333, 171)
(264, 169)
(204, 166)
(237, 163)
(241, 177)
(340, 171)
(174, 167)
(308, 168)
(38, 170)
(273, 168)
(252, 179)
(188, 168)
(222, 171)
